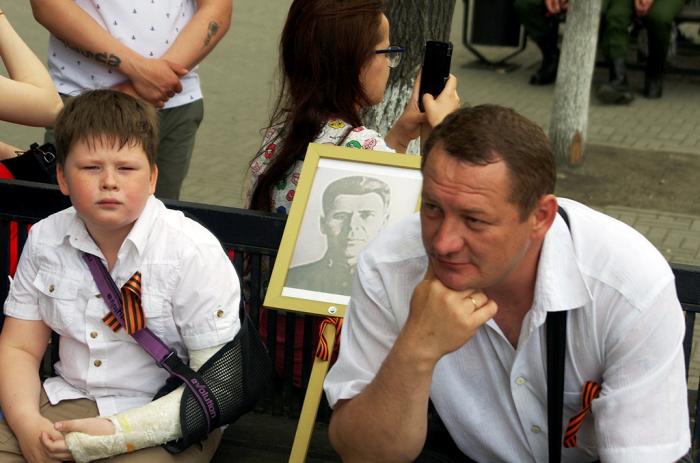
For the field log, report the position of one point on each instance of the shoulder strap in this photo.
(556, 356)
(164, 356)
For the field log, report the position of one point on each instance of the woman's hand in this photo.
(407, 126)
(447, 101)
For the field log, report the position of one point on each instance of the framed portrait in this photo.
(344, 198)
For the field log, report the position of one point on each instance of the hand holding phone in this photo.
(436, 69)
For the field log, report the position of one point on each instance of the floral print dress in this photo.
(333, 132)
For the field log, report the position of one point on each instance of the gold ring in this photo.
(476, 306)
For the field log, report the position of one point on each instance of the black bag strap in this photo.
(556, 356)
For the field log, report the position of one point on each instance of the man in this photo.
(145, 49)
(657, 16)
(543, 28)
(355, 209)
(460, 317)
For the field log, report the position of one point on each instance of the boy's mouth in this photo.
(109, 202)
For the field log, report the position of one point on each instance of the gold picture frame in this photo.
(343, 174)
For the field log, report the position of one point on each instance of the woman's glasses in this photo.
(393, 54)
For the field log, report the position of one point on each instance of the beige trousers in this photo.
(84, 408)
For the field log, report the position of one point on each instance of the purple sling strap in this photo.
(164, 356)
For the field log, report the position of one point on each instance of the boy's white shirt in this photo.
(190, 294)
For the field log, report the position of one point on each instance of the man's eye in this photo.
(126, 168)
(341, 216)
(90, 167)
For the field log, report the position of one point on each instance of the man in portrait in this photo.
(355, 209)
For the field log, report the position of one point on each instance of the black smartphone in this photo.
(436, 69)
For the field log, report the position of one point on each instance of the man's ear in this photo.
(61, 178)
(322, 224)
(542, 217)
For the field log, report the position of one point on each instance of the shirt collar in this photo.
(81, 239)
(560, 284)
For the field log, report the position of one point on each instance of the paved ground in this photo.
(239, 77)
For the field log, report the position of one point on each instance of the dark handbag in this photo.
(37, 164)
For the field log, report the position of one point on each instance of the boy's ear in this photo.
(153, 179)
(61, 178)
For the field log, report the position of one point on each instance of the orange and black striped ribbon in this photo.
(322, 351)
(590, 391)
(134, 319)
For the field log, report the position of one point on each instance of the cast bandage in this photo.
(153, 424)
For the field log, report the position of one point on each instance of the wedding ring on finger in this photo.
(476, 306)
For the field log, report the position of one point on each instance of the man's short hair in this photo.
(355, 185)
(116, 116)
(489, 133)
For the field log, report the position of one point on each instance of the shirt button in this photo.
(93, 334)
(97, 363)
(536, 429)
(520, 381)
(51, 288)
(219, 313)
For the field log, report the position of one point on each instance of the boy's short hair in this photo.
(116, 116)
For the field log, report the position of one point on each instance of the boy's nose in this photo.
(109, 180)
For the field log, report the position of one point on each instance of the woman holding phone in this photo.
(28, 96)
(335, 57)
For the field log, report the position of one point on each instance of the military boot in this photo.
(617, 90)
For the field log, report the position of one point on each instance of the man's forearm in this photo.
(388, 420)
(83, 34)
(207, 27)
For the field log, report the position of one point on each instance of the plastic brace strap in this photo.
(165, 357)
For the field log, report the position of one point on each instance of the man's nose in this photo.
(356, 222)
(447, 238)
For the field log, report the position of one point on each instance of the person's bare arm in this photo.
(155, 80)
(28, 96)
(387, 421)
(207, 27)
(22, 345)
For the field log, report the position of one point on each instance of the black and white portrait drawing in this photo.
(349, 204)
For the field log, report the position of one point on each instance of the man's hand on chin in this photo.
(442, 320)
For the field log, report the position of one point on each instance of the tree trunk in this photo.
(569, 115)
(412, 23)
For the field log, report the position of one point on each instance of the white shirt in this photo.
(190, 295)
(148, 28)
(625, 331)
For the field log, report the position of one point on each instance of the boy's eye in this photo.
(90, 167)
(126, 168)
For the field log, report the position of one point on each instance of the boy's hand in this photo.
(31, 436)
(442, 320)
(94, 426)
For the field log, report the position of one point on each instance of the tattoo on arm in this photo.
(211, 32)
(108, 59)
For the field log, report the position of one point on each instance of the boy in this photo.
(106, 144)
